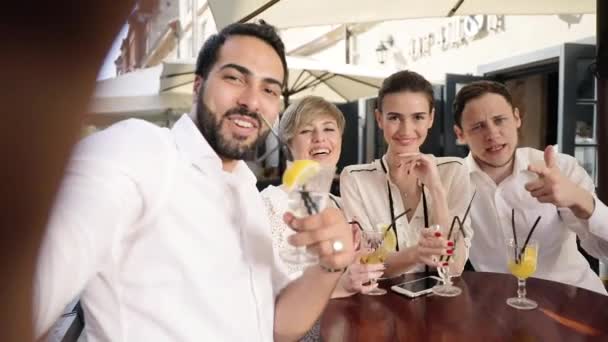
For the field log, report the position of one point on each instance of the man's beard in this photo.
(227, 147)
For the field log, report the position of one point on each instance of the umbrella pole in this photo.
(285, 99)
(602, 98)
(282, 158)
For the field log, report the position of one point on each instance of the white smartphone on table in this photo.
(417, 287)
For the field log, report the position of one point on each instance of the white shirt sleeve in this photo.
(352, 201)
(598, 222)
(593, 232)
(94, 205)
(113, 183)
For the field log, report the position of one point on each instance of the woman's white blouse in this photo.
(365, 195)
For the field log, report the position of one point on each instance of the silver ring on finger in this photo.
(337, 246)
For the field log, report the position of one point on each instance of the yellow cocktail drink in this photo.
(527, 265)
(376, 257)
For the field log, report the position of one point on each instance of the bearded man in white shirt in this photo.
(530, 183)
(163, 232)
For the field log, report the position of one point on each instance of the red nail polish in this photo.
(437, 234)
(450, 244)
(450, 251)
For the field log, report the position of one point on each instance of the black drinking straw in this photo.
(452, 227)
(528, 237)
(394, 222)
(461, 227)
(396, 218)
(466, 213)
(283, 145)
(389, 226)
(311, 206)
(460, 224)
(450, 235)
(515, 246)
(464, 218)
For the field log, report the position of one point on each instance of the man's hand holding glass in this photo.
(326, 235)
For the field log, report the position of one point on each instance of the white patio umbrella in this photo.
(154, 94)
(334, 82)
(161, 92)
(295, 13)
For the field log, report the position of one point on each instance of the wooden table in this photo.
(565, 313)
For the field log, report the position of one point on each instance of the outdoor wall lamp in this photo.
(383, 48)
(381, 51)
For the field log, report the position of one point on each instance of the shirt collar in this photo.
(243, 172)
(472, 164)
(193, 145)
(521, 162)
(383, 165)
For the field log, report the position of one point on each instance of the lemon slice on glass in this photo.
(390, 241)
(389, 244)
(300, 172)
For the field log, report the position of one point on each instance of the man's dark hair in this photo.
(475, 90)
(406, 81)
(208, 54)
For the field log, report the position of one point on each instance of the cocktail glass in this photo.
(373, 241)
(522, 264)
(446, 288)
(304, 200)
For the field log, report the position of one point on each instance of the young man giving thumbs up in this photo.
(517, 185)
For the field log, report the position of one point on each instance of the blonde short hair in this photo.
(304, 111)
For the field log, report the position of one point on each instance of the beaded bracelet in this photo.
(332, 270)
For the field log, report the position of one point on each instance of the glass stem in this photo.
(521, 288)
(445, 276)
(373, 281)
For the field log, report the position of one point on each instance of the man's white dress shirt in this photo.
(159, 241)
(558, 258)
(364, 190)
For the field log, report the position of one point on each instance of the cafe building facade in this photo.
(546, 61)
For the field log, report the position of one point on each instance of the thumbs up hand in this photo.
(553, 187)
(550, 158)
